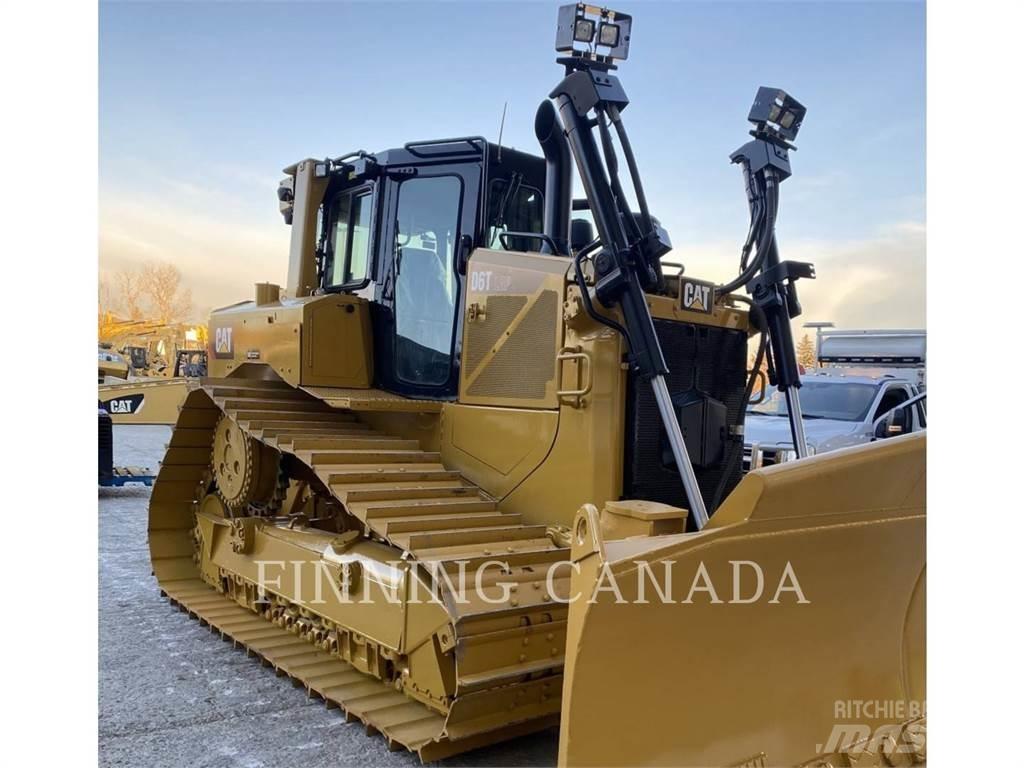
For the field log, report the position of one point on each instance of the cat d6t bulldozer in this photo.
(476, 470)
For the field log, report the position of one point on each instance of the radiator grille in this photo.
(713, 359)
(525, 365)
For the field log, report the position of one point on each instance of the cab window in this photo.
(514, 207)
(426, 233)
(349, 244)
(893, 397)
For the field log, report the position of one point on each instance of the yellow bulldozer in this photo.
(477, 470)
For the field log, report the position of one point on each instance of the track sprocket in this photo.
(246, 471)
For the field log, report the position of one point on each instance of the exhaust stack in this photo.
(558, 178)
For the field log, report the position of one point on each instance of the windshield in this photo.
(839, 400)
(514, 207)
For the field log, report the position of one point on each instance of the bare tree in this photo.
(161, 283)
(130, 290)
(104, 307)
(105, 300)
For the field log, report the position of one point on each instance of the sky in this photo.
(202, 104)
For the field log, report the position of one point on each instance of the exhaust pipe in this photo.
(558, 177)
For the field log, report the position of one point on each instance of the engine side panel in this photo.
(322, 341)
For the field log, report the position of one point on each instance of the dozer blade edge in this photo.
(825, 667)
(144, 402)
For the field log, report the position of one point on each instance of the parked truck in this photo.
(899, 351)
(839, 410)
(869, 385)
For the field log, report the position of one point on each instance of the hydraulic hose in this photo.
(634, 173)
(581, 281)
(612, 162)
(764, 237)
(756, 219)
(646, 223)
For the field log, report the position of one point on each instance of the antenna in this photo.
(501, 129)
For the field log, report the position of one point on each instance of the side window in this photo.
(426, 288)
(349, 231)
(893, 397)
(513, 207)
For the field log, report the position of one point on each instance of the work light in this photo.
(591, 32)
(776, 112)
(583, 31)
(609, 35)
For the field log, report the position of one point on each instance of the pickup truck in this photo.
(839, 411)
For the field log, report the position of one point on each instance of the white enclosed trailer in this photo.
(875, 352)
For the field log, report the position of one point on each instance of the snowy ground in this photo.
(172, 693)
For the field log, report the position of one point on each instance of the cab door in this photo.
(431, 210)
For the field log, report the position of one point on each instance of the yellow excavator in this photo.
(477, 470)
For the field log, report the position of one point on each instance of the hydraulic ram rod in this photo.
(679, 452)
(796, 422)
(622, 268)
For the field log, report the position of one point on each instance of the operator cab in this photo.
(190, 362)
(397, 228)
(138, 357)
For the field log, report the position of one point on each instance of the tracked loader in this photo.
(476, 471)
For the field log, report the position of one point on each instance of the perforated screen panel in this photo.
(482, 334)
(524, 364)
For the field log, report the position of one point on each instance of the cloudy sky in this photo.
(202, 105)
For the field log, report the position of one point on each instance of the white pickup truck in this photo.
(839, 411)
(853, 397)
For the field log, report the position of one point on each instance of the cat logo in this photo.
(697, 295)
(222, 346)
(123, 405)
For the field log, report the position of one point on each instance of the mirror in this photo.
(887, 426)
(581, 233)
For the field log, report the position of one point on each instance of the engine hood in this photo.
(774, 430)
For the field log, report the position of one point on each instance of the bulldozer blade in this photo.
(758, 640)
(144, 402)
